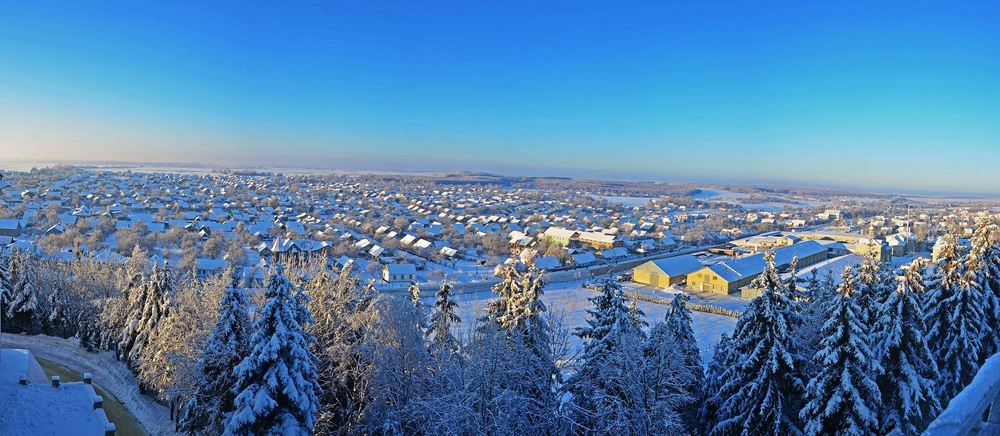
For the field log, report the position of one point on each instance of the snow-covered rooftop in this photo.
(38, 408)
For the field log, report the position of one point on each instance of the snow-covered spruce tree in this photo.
(605, 397)
(984, 243)
(792, 288)
(874, 284)
(277, 381)
(764, 384)
(5, 282)
(22, 300)
(816, 297)
(672, 373)
(955, 318)
(227, 345)
(843, 397)
(56, 320)
(519, 312)
(907, 372)
(444, 316)
(114, 318)
(151, 307)
(414, 290)
(679, 326)
(992, 308)
(723, 358)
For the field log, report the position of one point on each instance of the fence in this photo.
(707, 308)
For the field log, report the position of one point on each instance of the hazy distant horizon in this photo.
(26, 165)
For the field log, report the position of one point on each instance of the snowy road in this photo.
(113, 376)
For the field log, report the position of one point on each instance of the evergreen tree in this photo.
(843, 398)
(723, 358)
(907, 372)
(519, 312)
(115, 319)
(277, 381)
(679, 326)
(792, 289)
(22, 301)
(809, 335)
(445, 315)
(985, 247)
(151, 306)
(414, 290)
(227, 345)
(673, 364)
(605, 396)
(56, 320)
(874, 284)
(5, 283)
(763, 385)
(955, 318)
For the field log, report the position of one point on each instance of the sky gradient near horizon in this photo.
(890, 96)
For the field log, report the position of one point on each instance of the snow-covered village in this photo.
(499, 218)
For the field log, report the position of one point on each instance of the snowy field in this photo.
(571, 300)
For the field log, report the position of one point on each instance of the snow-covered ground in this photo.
(570, 298)
(113, 376)
(731, 302)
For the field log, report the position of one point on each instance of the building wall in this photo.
(649, 274)
(707, 280)
(557, 240)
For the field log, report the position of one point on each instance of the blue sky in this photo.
(898, 96)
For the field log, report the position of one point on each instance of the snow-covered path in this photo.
(109, 374)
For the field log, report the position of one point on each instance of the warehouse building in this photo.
(732, 275)
(664, 273)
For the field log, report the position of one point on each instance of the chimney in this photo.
(55, 381)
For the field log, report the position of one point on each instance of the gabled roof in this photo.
(401, 268)
(678, 266)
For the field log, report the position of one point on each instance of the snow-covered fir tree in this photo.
(808, 336)
(150, 306)
(443, 318)
(792, 287)
(519, 312)
(907, 373)
(764, 384)
(874, 284)
(414, 290)
(277, 381)
(56, 320)
(723, 358)
(673, 372)
(227, 345)
(22, 307)
(954, 318)
(843, 398)
(605, 396)
(678, 324)
(5, 281)
(984, 244)
(114, 319)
